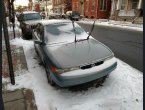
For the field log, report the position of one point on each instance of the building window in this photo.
(103, 5)
(87, 5)
(93, 4)
(124, 4)
(134, 4)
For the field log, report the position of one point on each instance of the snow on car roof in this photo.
(46, 22)
(26, 12)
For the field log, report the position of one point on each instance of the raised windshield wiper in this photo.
(91, 30)
(74, 30)
(75, 34)
(88, 35)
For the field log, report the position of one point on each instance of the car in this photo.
(28, 20)
(73, 15)
(70, 56)
(55, 16)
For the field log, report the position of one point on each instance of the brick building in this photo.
(99, 9)
(61, 6)
(78, 5)
(58, 6)
(68, 5)
(30, 5)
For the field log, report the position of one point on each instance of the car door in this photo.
(38, 35)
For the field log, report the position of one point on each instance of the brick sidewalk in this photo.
(21, 99)
(18, 58)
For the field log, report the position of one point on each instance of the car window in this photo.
(39, 31)
(75, 13)
(62, 32)
(31, 16)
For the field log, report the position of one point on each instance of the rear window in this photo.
(75, 13)
(31, 16)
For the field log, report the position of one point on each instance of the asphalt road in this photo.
(127, 45)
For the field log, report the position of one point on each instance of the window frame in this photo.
(132, 4)
(93, 5)
(87, 5)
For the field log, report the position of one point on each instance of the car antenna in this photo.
(74, 29)
(91, 30)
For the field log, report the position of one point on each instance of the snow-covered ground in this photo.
(114, 24)
(123, 90)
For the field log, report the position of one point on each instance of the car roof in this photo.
(52, 21)
(26, 12)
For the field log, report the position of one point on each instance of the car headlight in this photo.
(59, 71)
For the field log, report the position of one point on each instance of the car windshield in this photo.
(75, 13)
(63, 32)
(32, 16)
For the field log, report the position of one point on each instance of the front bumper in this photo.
(73, 79)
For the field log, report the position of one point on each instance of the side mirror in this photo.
(88, 32)
(37, 42)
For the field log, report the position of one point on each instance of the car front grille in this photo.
(91, 65)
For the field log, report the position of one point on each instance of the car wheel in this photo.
(23, 34)
(49, 77)
(26, 36)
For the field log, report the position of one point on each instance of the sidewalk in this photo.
(20, 99)
(113, 22)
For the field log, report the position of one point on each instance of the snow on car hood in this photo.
(32, 22)
(79, 53)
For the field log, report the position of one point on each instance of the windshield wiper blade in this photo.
(74, 30)
(81, 40)
(91, 30)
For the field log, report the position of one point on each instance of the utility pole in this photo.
(7, 43)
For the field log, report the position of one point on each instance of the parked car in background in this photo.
(73, 15)
(67, 61)
(55, 16)
(28, 20)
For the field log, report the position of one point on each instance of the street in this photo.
(127, 45)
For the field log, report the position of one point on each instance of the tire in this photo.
(50, 81)
(25, 36)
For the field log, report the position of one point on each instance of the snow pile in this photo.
(114, 24)
(123, 90)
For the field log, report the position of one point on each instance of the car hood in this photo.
(32, 22)
(77, 54)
